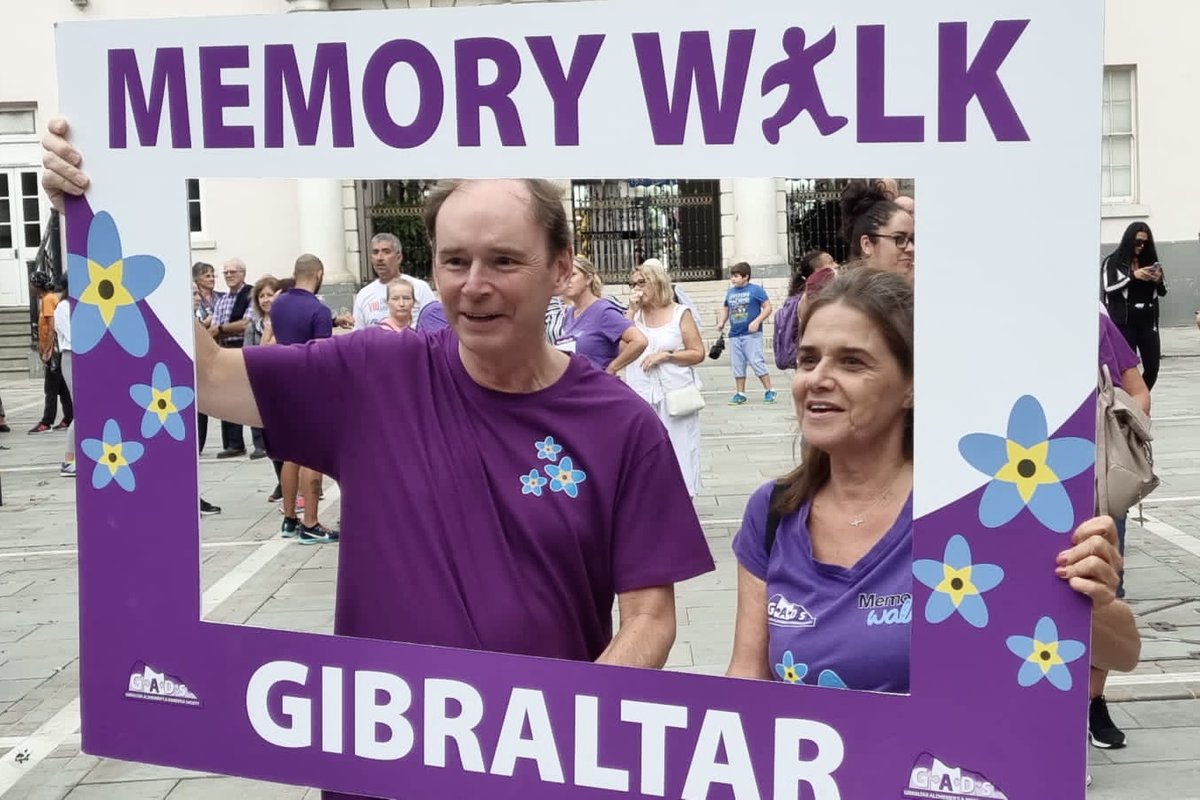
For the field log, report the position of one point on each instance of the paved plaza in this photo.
(250, 576)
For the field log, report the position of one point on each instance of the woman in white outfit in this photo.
(673, 347)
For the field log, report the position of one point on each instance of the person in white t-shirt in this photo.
(370, 304)
(62, 330)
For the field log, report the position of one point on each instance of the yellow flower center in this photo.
(106, 289)
(1045, 655)
(1027, 468)
(161, 404)
(112, 458)
(956, 583)
(789, 675)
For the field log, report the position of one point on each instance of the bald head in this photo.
(307, 266)
(308, 272)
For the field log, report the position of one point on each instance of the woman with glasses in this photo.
(636, 279)
(879, 231)
(1132, 279)
(595, 328)
(673, 348)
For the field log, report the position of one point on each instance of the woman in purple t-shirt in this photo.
(836, 580)
(594, 327)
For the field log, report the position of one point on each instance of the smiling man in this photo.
(576, 497)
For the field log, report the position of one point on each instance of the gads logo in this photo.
(783, 612)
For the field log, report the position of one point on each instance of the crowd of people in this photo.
(581, 485)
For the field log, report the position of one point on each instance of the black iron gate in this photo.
(815, 218)
(395, 207)
(619, 224)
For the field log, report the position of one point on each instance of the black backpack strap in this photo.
(772, 518)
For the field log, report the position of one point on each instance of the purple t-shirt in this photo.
(1115, 352)
(597, 331)
(829, 625)
(432, 317)
(297, 316)
(480, 519)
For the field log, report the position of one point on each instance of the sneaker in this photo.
(257, 454)
(62, 426)
(1102, 731)
(41, 427)
(317, 534)
(4, 428)
(275, 496)
(769, 397)
(290, 528)
(207, 508)
(738, 399)
(67, 469)
(233, 452)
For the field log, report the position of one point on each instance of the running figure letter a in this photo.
(797, 71)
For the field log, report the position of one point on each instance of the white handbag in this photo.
(685, 401)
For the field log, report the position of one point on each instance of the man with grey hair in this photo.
(370, 304)
(231, 315)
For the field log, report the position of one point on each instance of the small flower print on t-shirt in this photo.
(548, 449)
(565, 478)
(562, 477)
(532, 483)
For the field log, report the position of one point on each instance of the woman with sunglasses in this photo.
(594, 327)
(1133, 281)
(673, 348)
(879, 231)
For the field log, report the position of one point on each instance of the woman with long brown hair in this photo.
(843, 519)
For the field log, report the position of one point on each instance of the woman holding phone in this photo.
(1132, 282)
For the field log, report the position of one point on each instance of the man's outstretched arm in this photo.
(222, 383)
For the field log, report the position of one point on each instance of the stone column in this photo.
(756, 226)
(321, 218)
(322, 227)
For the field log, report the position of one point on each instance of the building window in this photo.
(195, 206)
(1119, 157)
(18, 121)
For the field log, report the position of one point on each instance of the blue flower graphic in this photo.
(1045, 655)
(958, 585)
(830, 680)
(565, 478)
(532, 483)
(107, 300)
(1027, 468)
(113, 458)
(789, 671)
(547, 449)
(162, 403)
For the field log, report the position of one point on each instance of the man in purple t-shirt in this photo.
(297, 317)
(497, 494)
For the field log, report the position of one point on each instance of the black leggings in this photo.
(1141, 332)
(55, 389)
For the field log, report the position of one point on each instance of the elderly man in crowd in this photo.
(231, 315)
